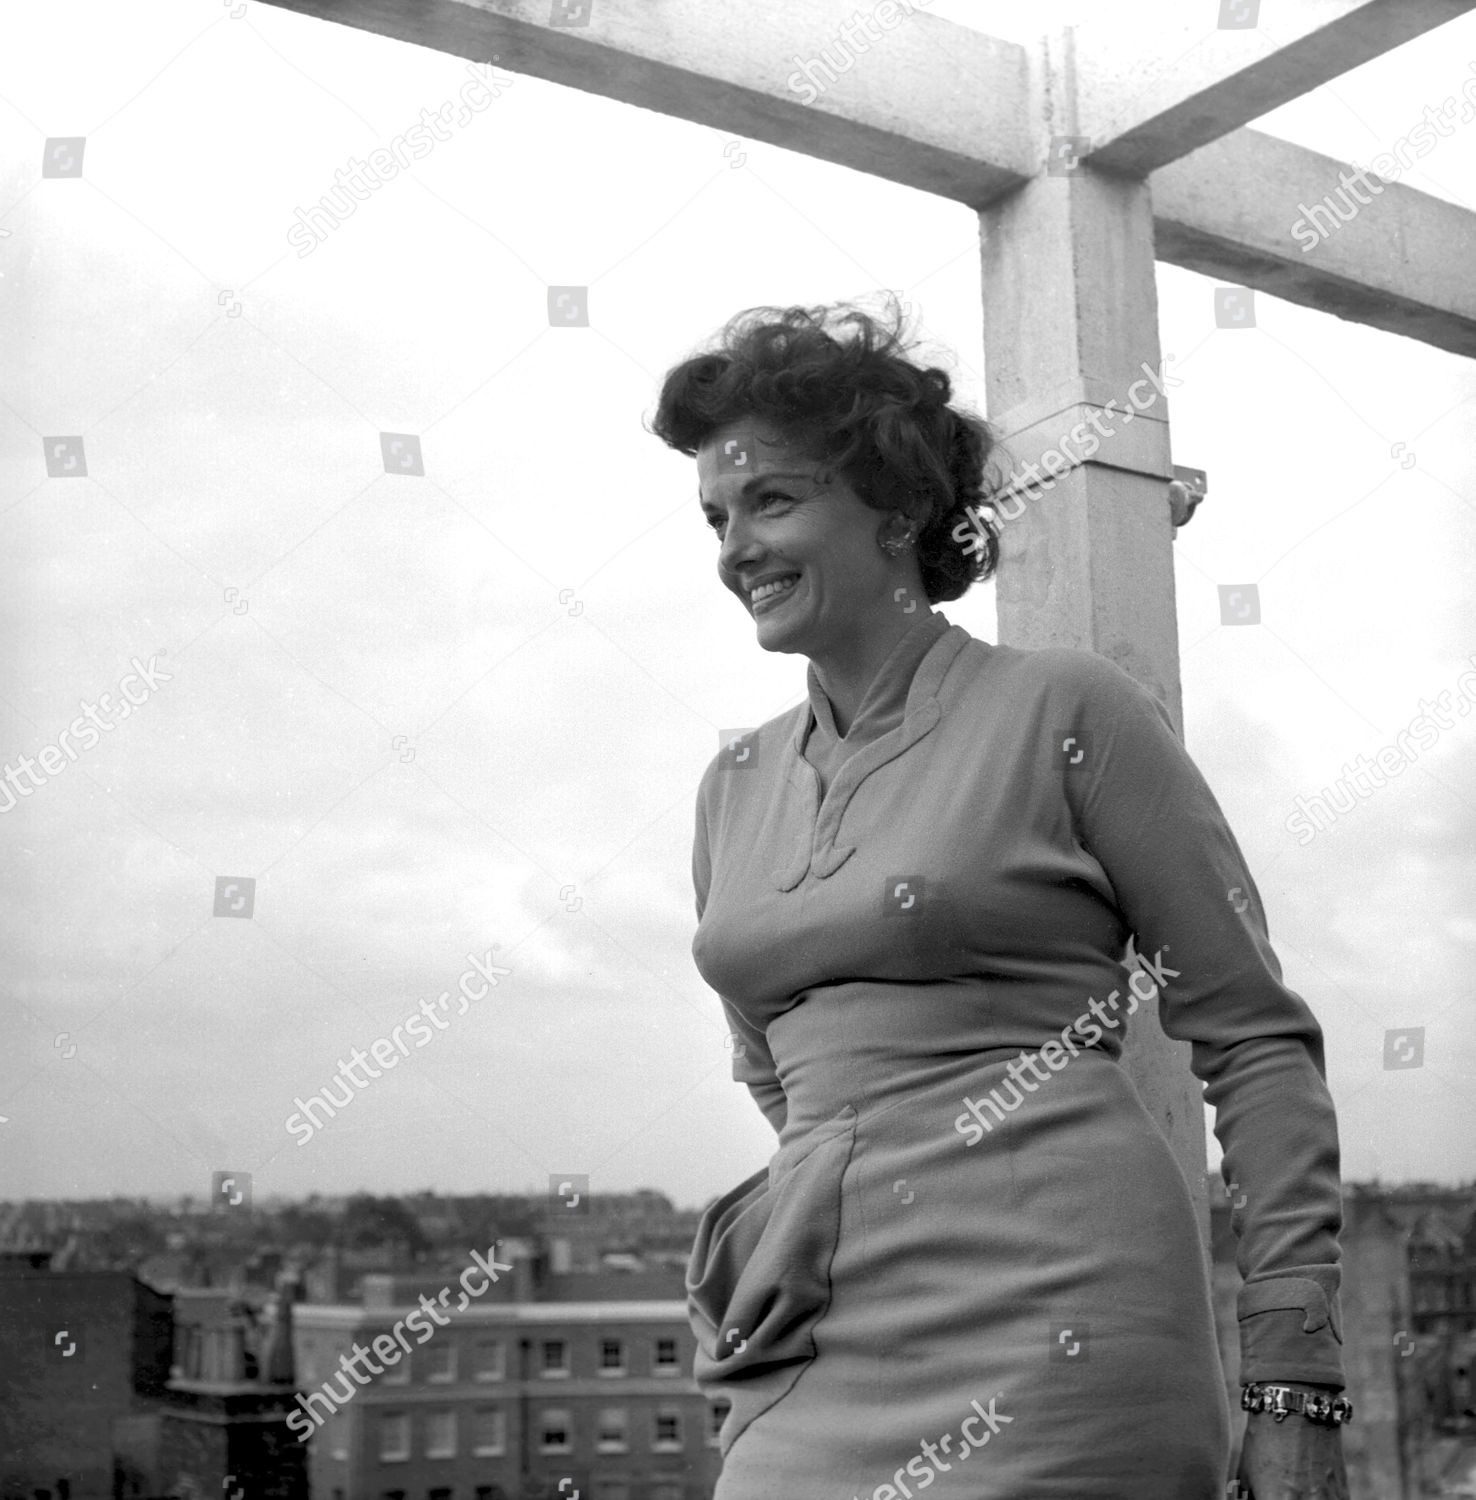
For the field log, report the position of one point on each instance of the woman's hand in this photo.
(1293, 1459)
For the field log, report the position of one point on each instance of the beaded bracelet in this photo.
(1280, 1400)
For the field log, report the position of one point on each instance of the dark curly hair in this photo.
(863, 409)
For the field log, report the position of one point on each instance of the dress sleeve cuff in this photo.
(1289, 1330)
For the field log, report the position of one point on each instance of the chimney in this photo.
(276, 1351)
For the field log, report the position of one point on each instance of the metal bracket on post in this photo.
(1186, 489)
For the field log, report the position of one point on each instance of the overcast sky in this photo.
(537, 613)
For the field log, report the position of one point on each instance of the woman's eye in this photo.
(716, 523)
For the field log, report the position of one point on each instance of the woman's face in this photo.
(776, 523)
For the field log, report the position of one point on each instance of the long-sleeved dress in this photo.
(972, 1264)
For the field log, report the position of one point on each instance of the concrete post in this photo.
(1071, 322)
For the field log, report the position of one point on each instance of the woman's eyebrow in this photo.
(748, 484)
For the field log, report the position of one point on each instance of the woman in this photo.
(972, 1261)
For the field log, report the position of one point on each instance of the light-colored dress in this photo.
(961, 1272)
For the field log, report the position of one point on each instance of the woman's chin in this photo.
(779, 622)
(778, 634)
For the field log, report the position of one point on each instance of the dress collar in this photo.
(886, 700)
(937, 643)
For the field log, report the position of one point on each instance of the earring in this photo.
(895, 546)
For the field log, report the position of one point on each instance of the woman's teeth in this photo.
(771, 590)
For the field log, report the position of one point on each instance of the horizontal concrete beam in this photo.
(909, 97)
(1199, 82)
(1037, 453)
(1239, 210)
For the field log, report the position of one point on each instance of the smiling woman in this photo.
(929, 871)
(835, 475)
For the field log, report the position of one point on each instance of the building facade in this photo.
(1408, 1334)
(503, 1401)
(222, 1429)
(85, 1360)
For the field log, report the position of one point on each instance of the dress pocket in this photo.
(758, 1278)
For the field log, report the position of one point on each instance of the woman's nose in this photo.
(737, 545)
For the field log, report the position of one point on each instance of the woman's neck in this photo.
(845, 677)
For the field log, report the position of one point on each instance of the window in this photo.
(489, 1432)
(399, 1372)
(669, 1491)
(394, 1435)
(612, 1489)
(665, 1361)
(336, 1431)
(667, 1431)
(441, 1493)
(715, 1416)
(555, 1357)
(440, 1434)
(392, 1495)
(612, 1357)
(487, 1361)
(612, 1431)
(555, 1432)
(440, 1363)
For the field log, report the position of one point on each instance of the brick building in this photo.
(222, 1426)
(1409, 1333)
(112, 1390)
(86, 1357)
(509, 1400)
(1442, 1273)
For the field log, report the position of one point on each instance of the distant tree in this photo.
(130, 1237)
(299, 1223)
(486, 1217)
(369, 1222)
